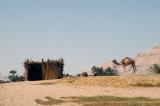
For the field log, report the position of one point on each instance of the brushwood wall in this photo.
(44, 70)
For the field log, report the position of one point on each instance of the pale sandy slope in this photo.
(143, 62)
(25, 93)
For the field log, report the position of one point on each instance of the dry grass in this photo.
(102, 101)
(111, 81)
(49, 101)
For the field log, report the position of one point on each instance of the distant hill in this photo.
(143, 62)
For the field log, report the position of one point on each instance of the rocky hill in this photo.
(143, 62)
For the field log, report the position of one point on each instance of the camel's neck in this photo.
(115, 62)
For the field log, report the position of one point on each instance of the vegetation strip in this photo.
(102, 100)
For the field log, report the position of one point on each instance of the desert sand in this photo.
(25, 93)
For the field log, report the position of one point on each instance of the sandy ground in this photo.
(25, 93)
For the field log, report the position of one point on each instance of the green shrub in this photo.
(109, 72)
(84, 74)
(14, 77)
(103, 72)
(155, 68)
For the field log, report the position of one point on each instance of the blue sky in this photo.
(83, 32)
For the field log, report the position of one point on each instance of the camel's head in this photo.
(115, 62)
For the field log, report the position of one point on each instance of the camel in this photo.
(125, 62)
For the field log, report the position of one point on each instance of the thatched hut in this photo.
(44, 70)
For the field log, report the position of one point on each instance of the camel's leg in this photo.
(134, 70)
(124, 68)
(133, 67)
